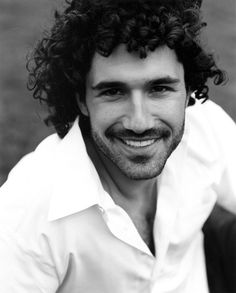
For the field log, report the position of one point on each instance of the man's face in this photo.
(136, 109)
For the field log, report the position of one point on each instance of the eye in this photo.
(159, 89)
(113, 92)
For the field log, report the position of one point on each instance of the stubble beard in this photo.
(137, 167)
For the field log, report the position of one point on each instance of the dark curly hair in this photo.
(62, 59)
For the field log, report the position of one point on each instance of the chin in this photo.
(140, 177)
(142, 172)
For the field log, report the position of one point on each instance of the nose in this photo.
(138, 117)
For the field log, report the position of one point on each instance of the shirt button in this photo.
(102, 210)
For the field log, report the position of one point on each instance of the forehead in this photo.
(124, 66)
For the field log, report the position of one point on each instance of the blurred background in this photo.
(23, 22)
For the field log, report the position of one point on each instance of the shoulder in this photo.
(211, 145)
(27, 185)
(41, 156)
(211, 116)
(211, 130)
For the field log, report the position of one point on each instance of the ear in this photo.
(188, 98)
(82, 106)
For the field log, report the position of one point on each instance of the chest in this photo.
(95, 260)
(144, 225)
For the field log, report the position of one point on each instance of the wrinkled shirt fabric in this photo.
(61, 232)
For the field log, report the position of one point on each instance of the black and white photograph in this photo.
(118, 146)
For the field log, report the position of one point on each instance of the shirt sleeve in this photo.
(224, 131)
(26, 263)
(23, 271)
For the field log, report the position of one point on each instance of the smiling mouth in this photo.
(138, 143)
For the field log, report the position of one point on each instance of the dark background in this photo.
(22, 23)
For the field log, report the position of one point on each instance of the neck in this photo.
(135, 196)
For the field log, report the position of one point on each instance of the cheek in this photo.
(171, 112)
(102, 117)
(177, 117)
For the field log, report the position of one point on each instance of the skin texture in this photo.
(140, 102)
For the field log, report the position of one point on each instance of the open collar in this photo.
(76, 185)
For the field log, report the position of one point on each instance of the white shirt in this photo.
(61, 232)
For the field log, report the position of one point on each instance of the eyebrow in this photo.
(163, 80)
(118, 84)
(108, 84)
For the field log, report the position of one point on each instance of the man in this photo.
(118, 204)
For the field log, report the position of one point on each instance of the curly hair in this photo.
(63, 57)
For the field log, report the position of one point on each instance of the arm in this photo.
(25, 261)
(23, 271)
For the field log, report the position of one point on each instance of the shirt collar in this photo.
(75, 183)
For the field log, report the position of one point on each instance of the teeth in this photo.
(138, 144)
